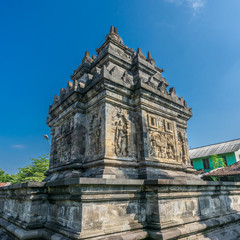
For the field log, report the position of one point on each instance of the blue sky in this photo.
(42, 42)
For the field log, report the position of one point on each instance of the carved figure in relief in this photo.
(181, 146)
(67, 127)
(163, 152)
(152, 147)
(95, 130)
(170, 152)
(121, 139)
(158, 145)
(161, 144)
(63, 142)
(63, 149)
(120, 130)
(170, 147)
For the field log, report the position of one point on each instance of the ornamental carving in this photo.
(63, 142)
(127, 78)
(64, 146)
(95, 133)
(182, 146)
(120, 132)
(161, 138)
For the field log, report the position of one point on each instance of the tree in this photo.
(217, 162)
(33, 172)
(5, 177)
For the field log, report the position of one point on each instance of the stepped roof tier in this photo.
(116, 60)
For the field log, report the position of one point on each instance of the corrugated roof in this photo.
(232, 170)
(218, 148)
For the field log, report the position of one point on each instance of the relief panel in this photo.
(95, 134)
(183, 153)
(62, 142)
(161, 139)
(122, 133)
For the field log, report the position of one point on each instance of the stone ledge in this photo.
(19, 232)
(96, 181)
(24, 185)
(130, 182)
(194, 228)
(139, 234)
(22, 224)
(188, 182)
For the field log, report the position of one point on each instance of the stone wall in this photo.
(91, 208)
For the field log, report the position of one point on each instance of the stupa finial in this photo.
(140, 53)
(150, 59)
(111, 29)
(114, 35)
(87, 57)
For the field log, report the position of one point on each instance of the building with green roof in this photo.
(201, 156)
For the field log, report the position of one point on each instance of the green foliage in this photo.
(215, 179)
(5, 177)
(33, 172)
(217, 161)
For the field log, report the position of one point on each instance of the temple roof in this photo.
(118, 63)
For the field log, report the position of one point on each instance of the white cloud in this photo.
(195, 5)
(18, 146)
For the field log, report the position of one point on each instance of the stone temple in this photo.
(119, 164)
(116, 119)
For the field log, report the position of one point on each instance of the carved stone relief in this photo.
(53, 155)
(126, 78)
(152, 82)
(161, 138)
(63, 142)
(95, 134)
(182, 146)
(119, 52)
(120, 128)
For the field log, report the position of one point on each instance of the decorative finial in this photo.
(111, 29)
(185, 104)
(55, 100)
(87, 54)
(113, 35)
(140, 53)
(150, 59)
(149, 55)
(87, 57)
(172, 92)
